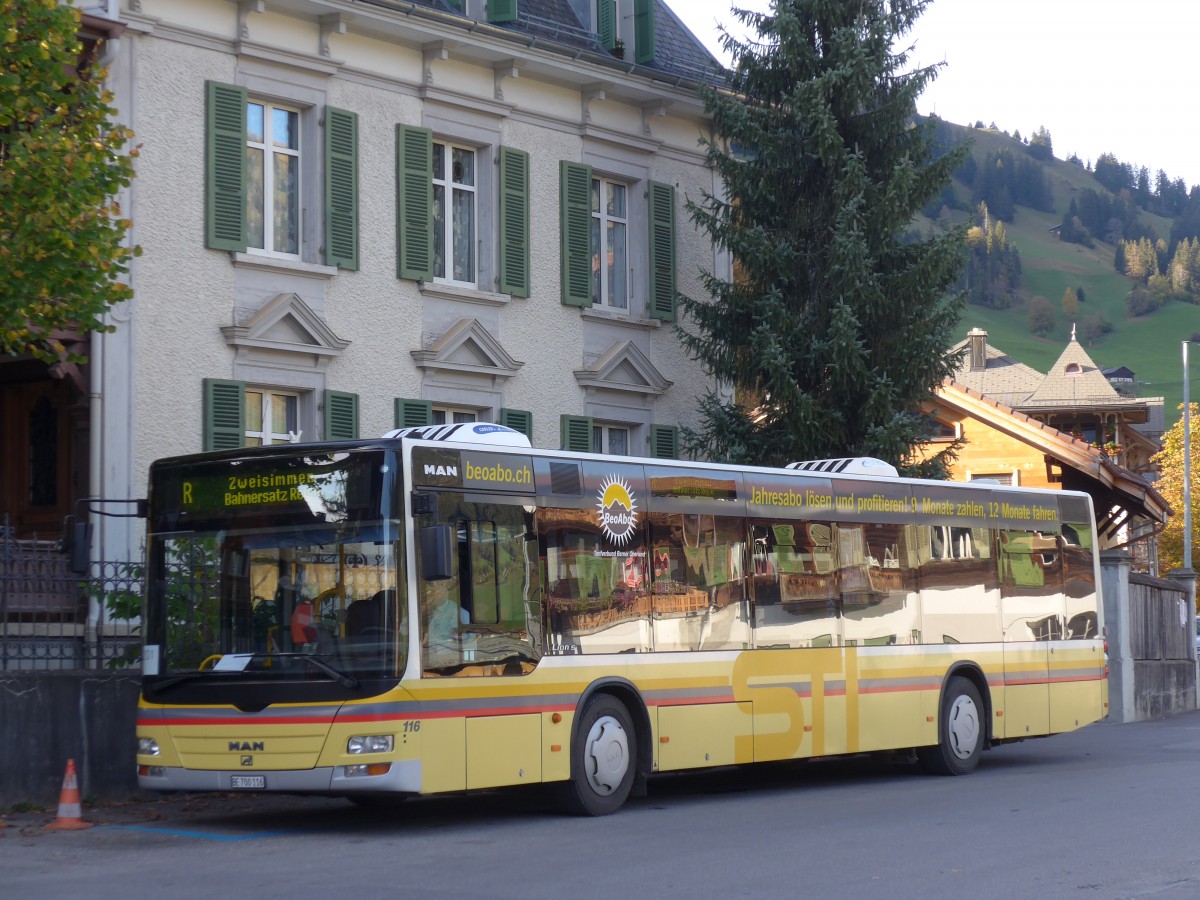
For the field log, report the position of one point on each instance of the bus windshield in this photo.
(312, 595)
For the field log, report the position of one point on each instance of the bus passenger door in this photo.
(480, 621)
(1078, 696)
(1031, 607)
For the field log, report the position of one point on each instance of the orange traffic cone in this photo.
(70, 813)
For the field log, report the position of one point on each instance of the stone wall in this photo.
(50, 717)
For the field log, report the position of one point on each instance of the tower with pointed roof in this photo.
(1073, 397)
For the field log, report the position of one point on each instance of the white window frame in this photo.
(444, 179)
(268, 153)
(957, 428)
(602, 287)
(602, 437)
(1011, 477)
(453, 415)
(263, 434)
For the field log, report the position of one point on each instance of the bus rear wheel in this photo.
(603, 759)
(960, 731)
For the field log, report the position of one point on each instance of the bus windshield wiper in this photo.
(346, 681)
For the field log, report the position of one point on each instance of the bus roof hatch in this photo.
(464, 433)
(854, 465)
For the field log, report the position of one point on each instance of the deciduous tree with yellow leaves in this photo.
(1170, 485)
(63, 159)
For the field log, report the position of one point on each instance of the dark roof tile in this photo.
(676, 50)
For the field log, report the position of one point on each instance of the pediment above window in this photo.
(286, 324)
(623, 367)
(468, 347)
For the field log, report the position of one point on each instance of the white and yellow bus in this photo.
(448, 609)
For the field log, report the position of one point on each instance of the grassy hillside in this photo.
(1148, 345)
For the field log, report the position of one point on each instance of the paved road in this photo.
(1108, 812)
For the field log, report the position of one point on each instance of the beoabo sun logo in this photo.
(618, 510)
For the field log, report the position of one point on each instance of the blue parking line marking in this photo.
(211, 836)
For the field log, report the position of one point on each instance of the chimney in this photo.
(978, 341)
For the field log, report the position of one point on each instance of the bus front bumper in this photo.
(403, 776)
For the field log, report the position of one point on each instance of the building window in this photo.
(938, 430)
(610, 256)
(610, 439)
(1009, 478)
(454, 181)
(595, 218)
(272, 178)
(448, 415)
(272, 417)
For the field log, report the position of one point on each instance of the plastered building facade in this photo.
(360, 214)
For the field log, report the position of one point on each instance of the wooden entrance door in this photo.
(35, 456)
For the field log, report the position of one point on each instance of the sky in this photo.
(1103, 76)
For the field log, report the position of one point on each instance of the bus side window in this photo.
(482, 597)
(483, 619)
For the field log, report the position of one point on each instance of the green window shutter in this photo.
(414, 202)
(224, 414)
(576, 433)
(518, 420)
(664, 442)
(225, 166)
(606, 22)
(575, 198)
(502, 10)
(643, 31)
(662, 251)
(341, 416)
(514, 222)
(341, 188)
(410, 413)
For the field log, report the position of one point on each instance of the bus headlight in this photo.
(147, 747)
(370, 743)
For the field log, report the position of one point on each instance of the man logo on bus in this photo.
(618, 511)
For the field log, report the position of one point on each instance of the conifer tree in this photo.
(1041, 145)
(837, 324)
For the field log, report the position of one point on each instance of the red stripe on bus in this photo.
(900, 688)
(693, 701)
(355, 719)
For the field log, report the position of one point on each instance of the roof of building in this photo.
(1074, 381)
(1117, 492)
(1156, 417)
(1002, 377)
(676, 50)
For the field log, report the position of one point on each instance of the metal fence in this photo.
(53, 618)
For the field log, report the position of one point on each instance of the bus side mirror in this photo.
(437, 545)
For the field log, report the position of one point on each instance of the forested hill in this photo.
(1108, 249)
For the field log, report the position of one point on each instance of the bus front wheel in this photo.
(960, 731)
(603, 759)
